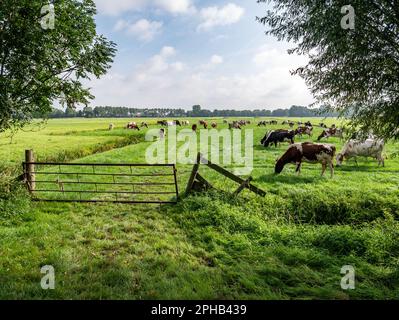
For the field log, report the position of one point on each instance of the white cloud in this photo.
(160, 63)
(176, 6)
(216, 59)
(220, 16)
(142, 29)
(162, 81)
(114, 8)
(167, 52)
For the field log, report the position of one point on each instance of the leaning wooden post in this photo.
(30, 170)
(193, 173)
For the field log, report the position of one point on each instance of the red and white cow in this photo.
(133, 126)
(308, 152)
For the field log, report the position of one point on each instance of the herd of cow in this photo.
(311, 152)
(297, 153)
(164, 123)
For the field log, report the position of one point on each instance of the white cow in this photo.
(368, 148)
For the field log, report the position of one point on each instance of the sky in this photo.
(179, 53)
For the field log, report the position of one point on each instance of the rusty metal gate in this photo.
(101, 182)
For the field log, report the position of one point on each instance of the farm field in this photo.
(289, 245)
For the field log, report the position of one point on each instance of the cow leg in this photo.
(381, 160)
(357, 164)
(324, 167)
(298, 168)
(332, 169)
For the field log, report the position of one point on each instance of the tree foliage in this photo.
(354, 72)
(38, 66)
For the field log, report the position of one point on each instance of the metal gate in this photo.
(102, 182)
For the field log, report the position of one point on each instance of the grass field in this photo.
(289, 245)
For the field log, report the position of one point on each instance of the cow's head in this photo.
(262, 142)
(323, 134)
(340, 159)
(279, 166)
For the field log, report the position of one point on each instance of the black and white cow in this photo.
(276, 136)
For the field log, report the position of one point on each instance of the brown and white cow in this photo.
(234, 125)
(204, 123)
(308, 152)
(133, 126)
(367, 148)
(332, 132)
(304, 130)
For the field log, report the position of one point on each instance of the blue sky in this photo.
(177, 53)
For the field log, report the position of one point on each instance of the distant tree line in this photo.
(197, 111)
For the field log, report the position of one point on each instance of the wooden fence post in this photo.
(193, 174)
(30, 170)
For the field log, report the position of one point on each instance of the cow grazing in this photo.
(308, 124)
(194, 127)
(214, 125)
(144, 124)
(204, 123)
(262, 123)
(276, 136)
(241, 123)
(367, 148)
(332, 132)
(291, 124)
(163, 123)
(185, 123)
(177, 123)
(308, 152)
(273, 122)
(133, 126)
(304, 130)
(234, 125)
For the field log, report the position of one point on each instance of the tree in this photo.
(41, 65)
(70, 112)
(88, 112)
(352, 71)
(196, 110)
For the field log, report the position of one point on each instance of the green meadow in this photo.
(291, 244)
